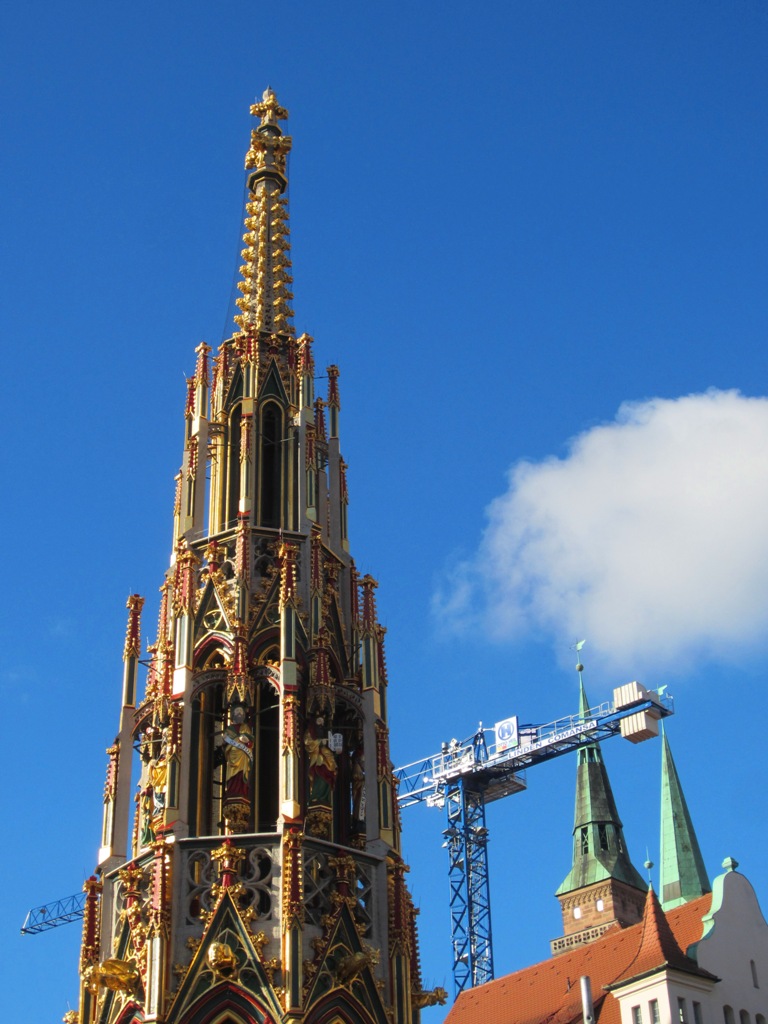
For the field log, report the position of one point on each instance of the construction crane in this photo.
(466, 775)
(51, 915)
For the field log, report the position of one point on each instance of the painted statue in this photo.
(238, 751)
(146, 832)
(322, 765)
(158, 781)
(358, 789)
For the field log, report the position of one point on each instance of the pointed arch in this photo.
(264, 649)
(227, 1003)
(212, 646)
(273, 385)
(211, 615)
(336, 628)
(339, 1008)
(264, 661)
(349, 802)
(205, 762)
(271, 459)
(232, 483)
(360, 1001)
(235, 392)
(132, 1013)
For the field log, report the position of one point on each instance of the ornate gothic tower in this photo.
(250, 865)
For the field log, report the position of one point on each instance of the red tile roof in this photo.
(658, 946)
(685, 921)
(548, 992)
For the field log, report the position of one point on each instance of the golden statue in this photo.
(222, 959)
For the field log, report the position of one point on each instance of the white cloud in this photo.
(650, 538)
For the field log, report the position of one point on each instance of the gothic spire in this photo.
(267, 264)
(263, 862)
(682, 875)
(599, 849)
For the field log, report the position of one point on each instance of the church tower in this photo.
(250, 866)
(603, 887)
(682, 875)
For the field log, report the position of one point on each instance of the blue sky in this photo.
(508, 222)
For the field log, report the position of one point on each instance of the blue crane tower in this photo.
(491, 764)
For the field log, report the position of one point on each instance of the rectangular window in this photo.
(653, 1009)
(637, 1015)
(697, 1017)
(682, 1013)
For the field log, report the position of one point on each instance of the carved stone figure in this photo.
(238, 742)
(158, 781)
(322, 765)
(358, 789)
(238, 752)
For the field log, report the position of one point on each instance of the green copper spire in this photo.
(682, 875)
(599, 850)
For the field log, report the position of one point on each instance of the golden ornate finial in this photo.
(228, 859)
(288, 573)
(132, 647)
(266, 282)
(269, 110)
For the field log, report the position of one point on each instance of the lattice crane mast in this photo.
(466, 775)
